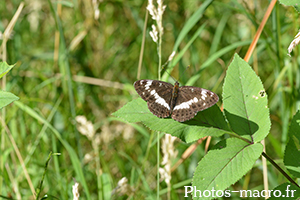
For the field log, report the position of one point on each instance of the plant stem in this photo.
(158, 146)
(279, 168)
(159, 55)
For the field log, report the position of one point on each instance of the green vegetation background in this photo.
(109, 51)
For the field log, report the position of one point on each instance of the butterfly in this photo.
(181, 103)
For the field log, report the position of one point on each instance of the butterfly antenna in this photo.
(186, 68)
(164, 68)
(184, 71)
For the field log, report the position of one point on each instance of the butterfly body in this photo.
(182, 103)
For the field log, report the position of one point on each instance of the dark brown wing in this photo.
(191, 100)
(158, 95)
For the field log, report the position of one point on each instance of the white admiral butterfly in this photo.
(182, 103)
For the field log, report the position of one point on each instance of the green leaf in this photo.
(292, 150)
(289, 191)
(5, 68)
(6, 98)
(209, 122)
(224, 165)
(245, 101)
(290, 2)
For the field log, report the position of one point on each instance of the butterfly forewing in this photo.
(157, 95)
(182, 103)
(190, 101)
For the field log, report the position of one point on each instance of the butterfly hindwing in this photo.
(190, 101)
